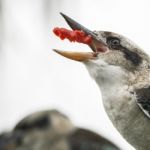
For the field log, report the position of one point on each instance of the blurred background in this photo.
(33, 77)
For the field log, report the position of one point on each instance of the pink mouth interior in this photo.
(99, 49)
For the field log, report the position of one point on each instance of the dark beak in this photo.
(97, 44)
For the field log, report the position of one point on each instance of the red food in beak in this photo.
(73, 36)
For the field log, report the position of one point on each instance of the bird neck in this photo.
(117, 90)
(116, 84)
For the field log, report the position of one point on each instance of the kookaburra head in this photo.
(121, 69)
(52, 130)
(43, 130)
(51, 123)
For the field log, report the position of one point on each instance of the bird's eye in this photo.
(113, 42)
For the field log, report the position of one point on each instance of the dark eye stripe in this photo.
(132, 56)
(40, 123)
(129, 55)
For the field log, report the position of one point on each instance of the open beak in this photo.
(97, 44)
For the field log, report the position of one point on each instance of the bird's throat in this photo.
(113, 84)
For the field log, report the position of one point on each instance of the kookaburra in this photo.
(52, 130)
(122, 71)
